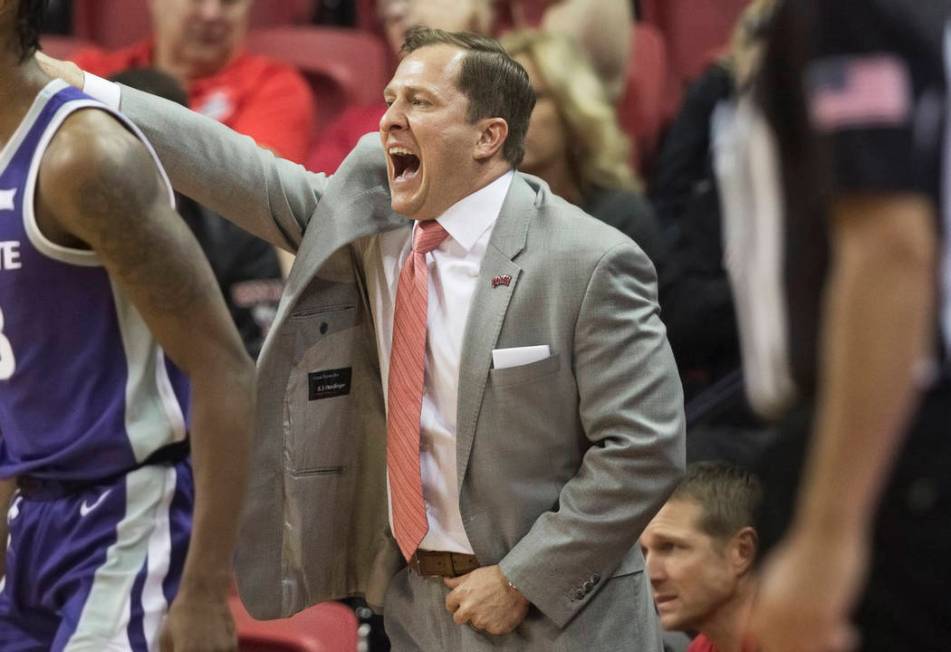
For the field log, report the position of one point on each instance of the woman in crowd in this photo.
(574, 141)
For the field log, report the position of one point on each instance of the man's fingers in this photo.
(461, 615)
(453, 582)
(452, 601)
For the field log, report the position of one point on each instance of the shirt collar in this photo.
(473, 215)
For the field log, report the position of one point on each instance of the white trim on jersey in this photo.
(142, 533)
(152, 410)
(39, 102)
(748, 170)
(70, 255)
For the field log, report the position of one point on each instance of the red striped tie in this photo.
(405, 390)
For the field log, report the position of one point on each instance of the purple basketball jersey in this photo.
(85, 390)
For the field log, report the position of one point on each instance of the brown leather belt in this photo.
(443, 564)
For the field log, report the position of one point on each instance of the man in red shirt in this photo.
(699, 551)
(201, 45)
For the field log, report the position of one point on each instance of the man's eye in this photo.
(416, 101)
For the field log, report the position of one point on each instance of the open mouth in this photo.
(405, 164)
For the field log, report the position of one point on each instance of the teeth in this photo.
(399, 151)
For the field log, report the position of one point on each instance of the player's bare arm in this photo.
(99, 188)
(879, 309)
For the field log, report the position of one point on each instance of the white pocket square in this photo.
(520, 355)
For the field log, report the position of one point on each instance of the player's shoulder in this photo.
(93, 149)
(91, 141)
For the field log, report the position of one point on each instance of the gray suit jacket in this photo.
(561, 462)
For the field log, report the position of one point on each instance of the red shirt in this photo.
(254, 95)
(704, 644)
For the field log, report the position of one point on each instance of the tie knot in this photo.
(429, 234)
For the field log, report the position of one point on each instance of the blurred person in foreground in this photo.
(116, 357)
(699, 552)
(833, 173)
(468, 414)
(200, 43)
(574, 141)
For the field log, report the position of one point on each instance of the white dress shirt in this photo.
(453, 274)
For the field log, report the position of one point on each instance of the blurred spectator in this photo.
(201, 45)
(396, 17)
(601, 27)
(699, 552)
(245, 266)
(695, 294)
(574, 142)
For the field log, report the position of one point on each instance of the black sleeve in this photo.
(874, 85)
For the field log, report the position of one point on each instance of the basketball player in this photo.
(106, 306)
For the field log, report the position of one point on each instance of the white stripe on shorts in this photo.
(143, 531)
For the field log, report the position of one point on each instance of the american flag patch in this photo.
(857, 92)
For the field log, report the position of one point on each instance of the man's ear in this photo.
(743, 548)
(492, 136)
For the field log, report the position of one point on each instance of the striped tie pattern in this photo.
(405, 390)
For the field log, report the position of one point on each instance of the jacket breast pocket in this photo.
(525, 373)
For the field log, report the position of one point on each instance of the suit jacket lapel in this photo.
(487, 312)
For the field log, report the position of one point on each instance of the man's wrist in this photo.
(107, 92)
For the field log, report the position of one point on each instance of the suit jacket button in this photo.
(579, 594)
(595, 578)
(587, 586)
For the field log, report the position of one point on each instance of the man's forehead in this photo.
(678, 518)
(431, 70)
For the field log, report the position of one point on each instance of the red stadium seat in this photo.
(62, 47)
(693, 29)
(115, 23)
(345, 67)
(650, 96)
(326, 627)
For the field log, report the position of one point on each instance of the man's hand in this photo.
(807, 591)
(199, 624)
(68, 71)
(485, 600)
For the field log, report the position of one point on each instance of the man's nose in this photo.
(655, 569)
(392, 119)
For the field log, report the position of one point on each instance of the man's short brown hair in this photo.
(496, 85)
(728, 497)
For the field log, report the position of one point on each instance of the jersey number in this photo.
(7, 361)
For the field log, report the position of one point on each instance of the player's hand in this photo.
(68, 71)
(199, 624)
(806, 593)
(484, 600)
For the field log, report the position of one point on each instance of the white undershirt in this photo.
(453, 272)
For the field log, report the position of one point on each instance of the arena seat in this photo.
(112, 24)
(344, 66)
(650, 96)
(693, 29)
(62, 47)
(326, 627)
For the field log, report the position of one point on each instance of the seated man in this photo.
(700, 549)
(201, 45)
